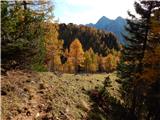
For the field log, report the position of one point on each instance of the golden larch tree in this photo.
(54, 47)
(87, 61)
(94, 61)
(101, 63)
(91, 61)
(76, 55)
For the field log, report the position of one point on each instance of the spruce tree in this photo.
(132, 66)
(22, 32)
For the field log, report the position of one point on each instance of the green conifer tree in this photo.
(131, 67)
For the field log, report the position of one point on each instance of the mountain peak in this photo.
(103, 18)
(119, 18)
(102, 22)
(116, 26)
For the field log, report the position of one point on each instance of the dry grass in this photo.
(45, 95)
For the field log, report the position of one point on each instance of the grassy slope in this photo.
(48, 96)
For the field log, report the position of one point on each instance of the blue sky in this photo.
(89, 11)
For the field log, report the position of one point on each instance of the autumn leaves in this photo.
(75, 58)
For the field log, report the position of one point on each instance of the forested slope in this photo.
(100, 41)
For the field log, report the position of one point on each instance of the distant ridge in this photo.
(116, 26)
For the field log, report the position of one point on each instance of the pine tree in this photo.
(151, 72)
(132, 66)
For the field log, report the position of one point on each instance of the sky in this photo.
(90, 11)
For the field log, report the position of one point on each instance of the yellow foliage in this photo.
(76, 51)
(111, 61)
(155, 23)
(93, 68)
(75, 55)
(151, 63)
(91, 61)
(149, 75)
(101, 63)
(53, 46)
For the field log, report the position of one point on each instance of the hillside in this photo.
(100, 41)
(42, 96)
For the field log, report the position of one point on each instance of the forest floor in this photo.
(48, 96)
